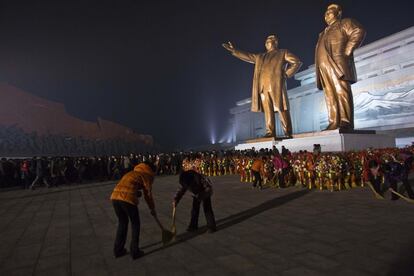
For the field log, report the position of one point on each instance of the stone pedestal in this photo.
(259, 143)
(332, 140)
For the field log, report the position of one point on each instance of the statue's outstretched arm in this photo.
(245, 56)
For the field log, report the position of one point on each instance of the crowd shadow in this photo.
(55, 190)
(231, 220)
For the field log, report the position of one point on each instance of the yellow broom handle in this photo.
(173, 215)
(402, 196)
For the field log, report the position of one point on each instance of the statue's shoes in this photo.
(331, 127)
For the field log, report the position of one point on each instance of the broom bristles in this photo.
(167, 236)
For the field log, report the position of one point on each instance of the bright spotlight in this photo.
(212, 140)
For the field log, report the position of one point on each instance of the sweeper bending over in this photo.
(202, 191)
(125, 200)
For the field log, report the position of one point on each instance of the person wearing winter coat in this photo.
(125, 200)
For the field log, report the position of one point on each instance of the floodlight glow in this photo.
(212, 135)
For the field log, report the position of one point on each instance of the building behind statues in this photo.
(383, 95)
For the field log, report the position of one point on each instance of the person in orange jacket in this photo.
(257, 169)
(125, 200)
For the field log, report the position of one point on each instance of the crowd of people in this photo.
(315, 170)
(55, 171)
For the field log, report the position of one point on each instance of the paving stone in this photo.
(322, 248)
(316, 261)
(83, 246)
(235, 263)
(258, 271)
(274, 263)
(214, 271)
(248, 249)
(362, 263)
(21, 271)
(92, 271)
(348, 272)
(22, 256)
(55, 271)
(303, 271)
(51, 262)
(81, 264)
(131, 271)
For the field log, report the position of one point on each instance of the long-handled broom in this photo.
(402, 196)
(377, 195)
(173, 228)
(167, 236)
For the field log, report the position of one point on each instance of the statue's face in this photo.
(270, 44)
(331, 15)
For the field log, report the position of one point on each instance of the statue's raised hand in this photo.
(228, 46)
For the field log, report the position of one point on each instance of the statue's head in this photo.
(333, 13)
(271, 42)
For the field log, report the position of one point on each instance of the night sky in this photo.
(158, 66)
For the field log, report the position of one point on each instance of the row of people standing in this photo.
(315, 170)
(54, 171)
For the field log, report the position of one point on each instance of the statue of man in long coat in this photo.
(335, 67)
(269, 93)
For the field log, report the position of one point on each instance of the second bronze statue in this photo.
(335, 67)
(269, 94)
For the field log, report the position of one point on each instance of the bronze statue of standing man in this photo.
(269, 93)
(335, 67)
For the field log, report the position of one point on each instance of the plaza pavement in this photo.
(70, 231)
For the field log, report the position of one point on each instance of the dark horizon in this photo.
(159, 68)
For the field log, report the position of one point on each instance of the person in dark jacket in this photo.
(200, 187)
(396, 172)
(393, 172)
